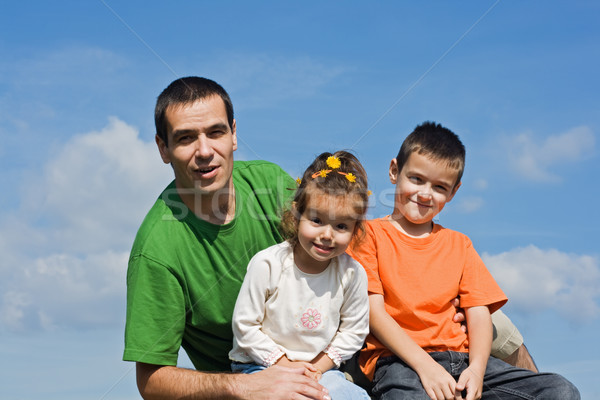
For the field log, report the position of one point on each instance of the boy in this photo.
(415, 267)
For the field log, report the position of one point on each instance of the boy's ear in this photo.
(454, 191)
(393, 172)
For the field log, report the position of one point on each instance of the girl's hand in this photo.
(313, 373)
(436, 381)
(309, 370)
(472, 380)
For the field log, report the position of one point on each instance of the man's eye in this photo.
(216, 134)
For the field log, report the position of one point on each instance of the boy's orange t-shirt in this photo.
(418, 278)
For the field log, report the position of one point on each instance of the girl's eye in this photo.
(315, 221)
(342, 227)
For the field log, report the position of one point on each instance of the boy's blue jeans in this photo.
(396, 380)
(334, 380)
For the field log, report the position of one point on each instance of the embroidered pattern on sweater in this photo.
(311, 318)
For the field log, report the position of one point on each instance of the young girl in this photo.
(304, 302)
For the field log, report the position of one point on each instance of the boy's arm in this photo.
(479, 323)
(436, 381)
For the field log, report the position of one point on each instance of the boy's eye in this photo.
(414, 179)
(441, 188)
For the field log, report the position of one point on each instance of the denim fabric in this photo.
(334, 380)
(396, 380)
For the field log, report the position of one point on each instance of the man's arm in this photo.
(168, 382)
(436, 381)
(522, 359)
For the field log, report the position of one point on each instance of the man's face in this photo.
(200, 146)
(423, 187)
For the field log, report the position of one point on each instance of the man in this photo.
(191, 253)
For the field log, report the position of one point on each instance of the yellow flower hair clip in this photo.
(298, 181)
(321, 174)
(333, 162)
(349, 176)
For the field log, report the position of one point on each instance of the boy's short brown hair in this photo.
(438, 143)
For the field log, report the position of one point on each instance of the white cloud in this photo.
(65, 251)
(533, 158)
(66, 290)
(97, 189)
(536, 280)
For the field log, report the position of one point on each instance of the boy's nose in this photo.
(424, 194)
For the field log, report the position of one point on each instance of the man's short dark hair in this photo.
(184, 91)
(438, 143)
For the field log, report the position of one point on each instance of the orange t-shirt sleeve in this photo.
(477, 286)
(365, 252)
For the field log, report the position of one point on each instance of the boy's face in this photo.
(423, 187)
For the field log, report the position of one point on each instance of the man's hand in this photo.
(281, 383)
(436, 381)
(460, 314)
(471, 379)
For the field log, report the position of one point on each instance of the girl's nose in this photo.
(327, 232)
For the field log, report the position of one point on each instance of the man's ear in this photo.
(454, 191)
(234, 133)
(163, 149)
(393, 172)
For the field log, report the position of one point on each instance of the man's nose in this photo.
(203, 148)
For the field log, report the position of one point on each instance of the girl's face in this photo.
(325, 230)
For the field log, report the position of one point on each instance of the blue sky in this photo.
(517, 81)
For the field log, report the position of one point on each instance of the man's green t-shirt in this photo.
(185, 274)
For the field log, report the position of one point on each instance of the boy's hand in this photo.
(436, 381)
(472, 380)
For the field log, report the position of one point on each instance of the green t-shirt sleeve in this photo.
(155, 313)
